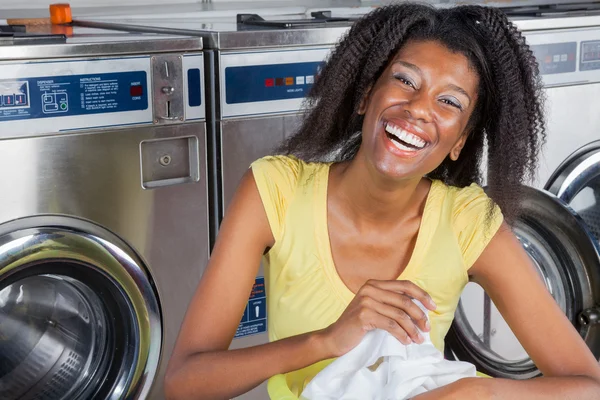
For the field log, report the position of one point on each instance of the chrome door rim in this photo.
(58, 238)
(575, 172)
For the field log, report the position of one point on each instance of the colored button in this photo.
(556, 58)
(289, 81)
(571, 56)
(310, 79)
(20, 99)
(269, 82)
(279, 82)
(136, 91)
(563, 57)
(299, 80)
(8, 100)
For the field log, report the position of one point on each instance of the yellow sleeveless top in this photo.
(304, 291)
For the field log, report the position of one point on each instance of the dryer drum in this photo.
(77, 318)
(567, 257)
(54, 332)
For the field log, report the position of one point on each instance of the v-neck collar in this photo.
(324, 242)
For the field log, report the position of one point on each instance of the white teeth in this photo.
(405, 137)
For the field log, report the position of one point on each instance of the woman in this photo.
(404, 105)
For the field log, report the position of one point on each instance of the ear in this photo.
(458, 146)
(364, 102)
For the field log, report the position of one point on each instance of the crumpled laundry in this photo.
(382, 368)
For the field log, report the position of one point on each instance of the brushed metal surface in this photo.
(245, 140)
(167, 85)
(573, 121)
(96, 176)
(255, 39)
(110, 46)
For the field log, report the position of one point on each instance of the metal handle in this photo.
(591, 316)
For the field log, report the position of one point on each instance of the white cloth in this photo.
(403, 371)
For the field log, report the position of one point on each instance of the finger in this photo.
(408, 288)
(403, 320)
(399, 301)
(405, 304)
(379, 321)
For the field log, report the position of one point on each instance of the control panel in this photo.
(253, 83)
(268, 82)
(590, 55)
(53, 96)
(556, 58)
(570, 56)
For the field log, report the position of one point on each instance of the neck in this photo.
(371, 198)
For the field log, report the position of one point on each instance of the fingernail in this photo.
(432, 303)
(427, 325)
(420, 337)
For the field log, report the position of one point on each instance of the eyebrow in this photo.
(418, 70)
(460, 90)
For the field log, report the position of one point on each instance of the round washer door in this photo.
(566, 256)
(79, 317)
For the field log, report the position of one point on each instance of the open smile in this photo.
(402, 139)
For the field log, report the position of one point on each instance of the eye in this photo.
(452, 102)
(405, 80)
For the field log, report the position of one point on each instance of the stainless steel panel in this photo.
(227, 36)
(573, 121)
(273, 38)
(111, 47)
(555, 22)
(97, 176)
(246, 140)
(167, 85)
(168, 162)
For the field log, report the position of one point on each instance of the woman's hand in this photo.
(383, 305)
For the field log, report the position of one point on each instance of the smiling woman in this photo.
(375, 202)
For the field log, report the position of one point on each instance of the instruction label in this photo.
(73, 95)
(254, 320)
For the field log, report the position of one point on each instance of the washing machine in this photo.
(560, 226)
(103, 209)
(259, 68)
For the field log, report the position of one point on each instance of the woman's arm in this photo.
(201, 367)
(569, 369)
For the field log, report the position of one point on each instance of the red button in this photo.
(136, 91)
(269, 82)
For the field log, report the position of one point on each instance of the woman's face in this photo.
(418, 110)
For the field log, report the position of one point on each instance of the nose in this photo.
(419, 107)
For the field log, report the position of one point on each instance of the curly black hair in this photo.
(508, 117)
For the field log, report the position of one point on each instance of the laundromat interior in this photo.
(125, 129)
